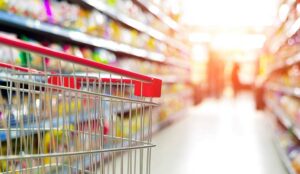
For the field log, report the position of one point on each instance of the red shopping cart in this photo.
(67, 114)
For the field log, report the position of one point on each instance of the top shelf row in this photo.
(139, 26)
(77, 36)
(158, 13)
(281, 49)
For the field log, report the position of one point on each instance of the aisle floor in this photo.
(218, 136)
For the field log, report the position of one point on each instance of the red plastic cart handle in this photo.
(140, 88)
(143, 85)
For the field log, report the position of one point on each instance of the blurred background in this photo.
(230, 70)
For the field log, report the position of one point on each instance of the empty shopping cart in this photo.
(64, 114)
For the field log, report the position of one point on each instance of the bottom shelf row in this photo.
(288, 147)
(288, 151)
(284, 109)
(73, 148)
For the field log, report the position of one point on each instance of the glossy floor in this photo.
(219, 136)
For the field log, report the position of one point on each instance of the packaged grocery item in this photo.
(94, 127)
(48, 11)
(96, 23)
(123, 127)
(3, 4)
(115, 30)
(295, 158)
(103, 56)
(30, 59)
(53, 64)
(134, 37)
(87, 53)
(82, 22)
(68, 108)
(151, 44)
(112, 2)
(52, 143)
(33, 8)
(65, 14)
(297, 118)
(126, 36)
(142, 40)
(9, 54)
(68, 49)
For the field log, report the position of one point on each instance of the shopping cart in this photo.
(64, 114)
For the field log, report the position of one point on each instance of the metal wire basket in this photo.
(64, 114)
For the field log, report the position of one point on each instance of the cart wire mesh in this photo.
(64, 114)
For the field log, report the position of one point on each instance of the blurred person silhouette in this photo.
(235, 81)
(215, 75)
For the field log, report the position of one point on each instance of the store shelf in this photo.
(32, 127)
(108, 156)
(36, 26)
(155, 129)
(127, 107)
(281, 48)
(72, 35)
(166, 79)
(42, 31)
(180, 95)
(115, 14)
(283, 63)
(283, 29)
(293, 91)
(139, 26)
(171, 119)
(153, 9)
(182, 63)
(283, 117)
(283, 156)
(280, 114)
(293, 60)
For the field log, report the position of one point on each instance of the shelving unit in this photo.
(70, 35)
(32, 127)
(278, 78)
(283, 156)
(173, 54)
(35, 26)
(172, 118)
(171, 78)
(292, 91)
(155, 129)
(113, 13)
(283, 118)
(181, 63)
(285, 64)
(159, 14)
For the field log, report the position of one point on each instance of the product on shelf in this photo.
(25, 59)
(138, 121)
(171, 106)
(64, 129)
(8, 54)
(152, 68)
(92, 22)
(290, 146)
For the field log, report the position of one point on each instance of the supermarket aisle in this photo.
(226, 136)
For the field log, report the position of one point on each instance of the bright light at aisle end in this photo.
(230, 13)
(242, 41)
(200, 37)
(229, 40)
(200, 53)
